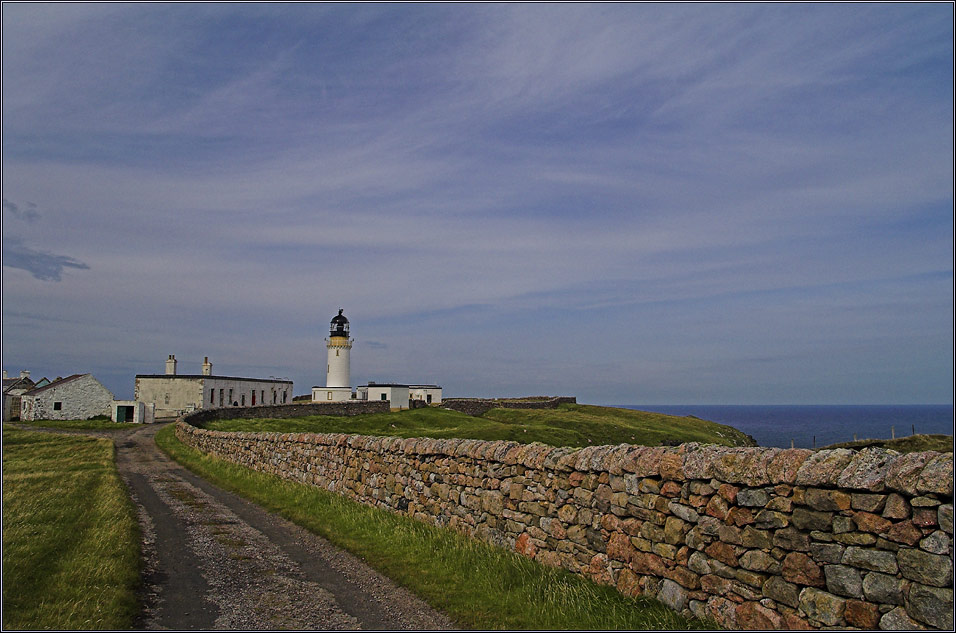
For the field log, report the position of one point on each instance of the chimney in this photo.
(4, 374)
(171, 365)
(206, 367)
(24, 373)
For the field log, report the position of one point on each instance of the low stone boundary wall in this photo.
(755, 538)
(282, 411)
(480, 406)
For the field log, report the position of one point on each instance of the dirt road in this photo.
(216, 561)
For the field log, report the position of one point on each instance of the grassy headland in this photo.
(70, 537)
(569, 425)
(909, 444)
(477, 585)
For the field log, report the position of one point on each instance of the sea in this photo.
(816, 426)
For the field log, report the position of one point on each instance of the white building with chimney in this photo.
(172, 394)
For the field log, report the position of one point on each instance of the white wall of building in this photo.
(332, 394)
(397, 395)
(76, 398)
(175, 395)
(142, 413)
(426, 393)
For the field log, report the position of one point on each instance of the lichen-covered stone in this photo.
(781, 591)
(805, 519)
(800, 569)
(867, 502)
(904, 532)
(784, 466)
(826, 552)
(869, 522)
(904, 473)
(873, 560)
(944, 516)
(931, 605)
(753, 497)
(867, 469)
(843, 580)
(756, 560)
(862, 614)
(792, 539)
(683, 512)
(753, 538)
(937, 543)
(754, 616)
(930, 569)
(673, 595)
(824, 468)
(937, 476)
(882, 588)
(771, 519)
(898, 620)
(826, 500)
(822, 606)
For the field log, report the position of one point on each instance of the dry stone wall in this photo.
(755, 538)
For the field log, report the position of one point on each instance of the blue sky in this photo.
(630, 203)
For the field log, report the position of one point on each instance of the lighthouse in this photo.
(338, 374)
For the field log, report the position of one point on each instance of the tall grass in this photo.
(478, 585)
(70, 537)
(92, 424)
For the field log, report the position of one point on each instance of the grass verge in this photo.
(568, 425)
(81, 425)
(478, 585)
(71, 556)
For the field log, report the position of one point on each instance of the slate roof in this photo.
(55, 383)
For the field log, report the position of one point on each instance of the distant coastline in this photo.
(819, 425)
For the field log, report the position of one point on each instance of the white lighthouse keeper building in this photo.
(338, 373)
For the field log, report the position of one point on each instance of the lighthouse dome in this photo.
(339, 325)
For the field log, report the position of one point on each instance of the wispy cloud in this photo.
(43, 266)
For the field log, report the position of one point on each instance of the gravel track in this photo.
(216, 561)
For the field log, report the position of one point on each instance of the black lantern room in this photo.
(339, 325)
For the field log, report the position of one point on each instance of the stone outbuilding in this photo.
(76, 397)
(13, 389)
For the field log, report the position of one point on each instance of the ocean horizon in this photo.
(817, 425)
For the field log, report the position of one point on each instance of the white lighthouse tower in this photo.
(338, 374)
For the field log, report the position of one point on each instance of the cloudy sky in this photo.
(629, 203)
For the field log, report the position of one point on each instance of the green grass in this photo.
(71, 556)
(909, 444)
(94, 424)
(569, 425)
(477, 585)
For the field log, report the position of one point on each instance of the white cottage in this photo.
(76, 397)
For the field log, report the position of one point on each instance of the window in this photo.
(383, 396)
(167, 398)
(336, 352)
(212, 396)
(57, 406)
(230, 397)
(330, 395)
(221, 396)
(428, 398)
(242, 399)
(285, 396)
